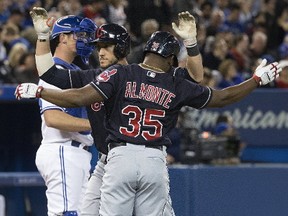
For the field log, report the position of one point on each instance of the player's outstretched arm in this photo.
(65, 98)
(262, 76)
(187, 30)
(42, 25)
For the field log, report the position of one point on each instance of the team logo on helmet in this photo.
(155, 46)
(99, 32)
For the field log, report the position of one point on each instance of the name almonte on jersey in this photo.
(149, 93)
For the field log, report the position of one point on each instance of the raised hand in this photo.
(42, 23)
(28, 90)
(186, 29)
(265, 74)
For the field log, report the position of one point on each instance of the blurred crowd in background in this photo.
(233, 36)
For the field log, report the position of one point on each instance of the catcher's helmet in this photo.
(164, 44)
(84, 32)
(65, 24)
(114, 34)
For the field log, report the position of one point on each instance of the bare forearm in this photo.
(63, 121)
(72, 97)
(57, 97)
(75, 124)
(232, 94)
(195, 67)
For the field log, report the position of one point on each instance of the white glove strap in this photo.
(44, 63)
(43, 36)
(191, 42)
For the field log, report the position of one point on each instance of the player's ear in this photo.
(171, 60)
(63, 38)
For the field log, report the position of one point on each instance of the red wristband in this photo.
(38, 92)
(257, 79)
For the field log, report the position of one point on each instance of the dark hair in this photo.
(222, 118)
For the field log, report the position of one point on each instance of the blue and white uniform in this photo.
(62, 158)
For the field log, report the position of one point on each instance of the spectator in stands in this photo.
(15, 54)
(26, 69)
(246, 12)
(219, 52)
(232, 21)
(206, 12)
(16, 18)
(10, 36)
(4, 12)
(217, 19)
(258, 44)
(283, 48)
(148, 27)
(225, 127)
(66, 7)
(116, 12)
(3, 53)
(229, 73)
(139, 10)
(96, 10)
(240, 53)
(8, 66)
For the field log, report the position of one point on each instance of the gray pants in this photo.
(91, 201)
(135, 182)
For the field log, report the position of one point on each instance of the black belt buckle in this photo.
(160, 147)
(78, 145)
(102, 157)
(117, 144)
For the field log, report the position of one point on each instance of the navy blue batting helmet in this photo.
(163, 43)
(114, 34)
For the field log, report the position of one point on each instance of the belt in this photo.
(102, 157)
(118, 144)
(79, 145)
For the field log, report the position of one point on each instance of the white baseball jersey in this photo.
(62, 161)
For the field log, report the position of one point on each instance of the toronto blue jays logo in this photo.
(105, 75)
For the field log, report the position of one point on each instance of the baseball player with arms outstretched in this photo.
(142, 104)
(62, 158)
(113, 44)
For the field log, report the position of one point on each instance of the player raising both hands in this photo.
(142, 104)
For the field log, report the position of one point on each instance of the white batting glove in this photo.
(28, 90)
(42, 23)
(265, 74)
(187, 28)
